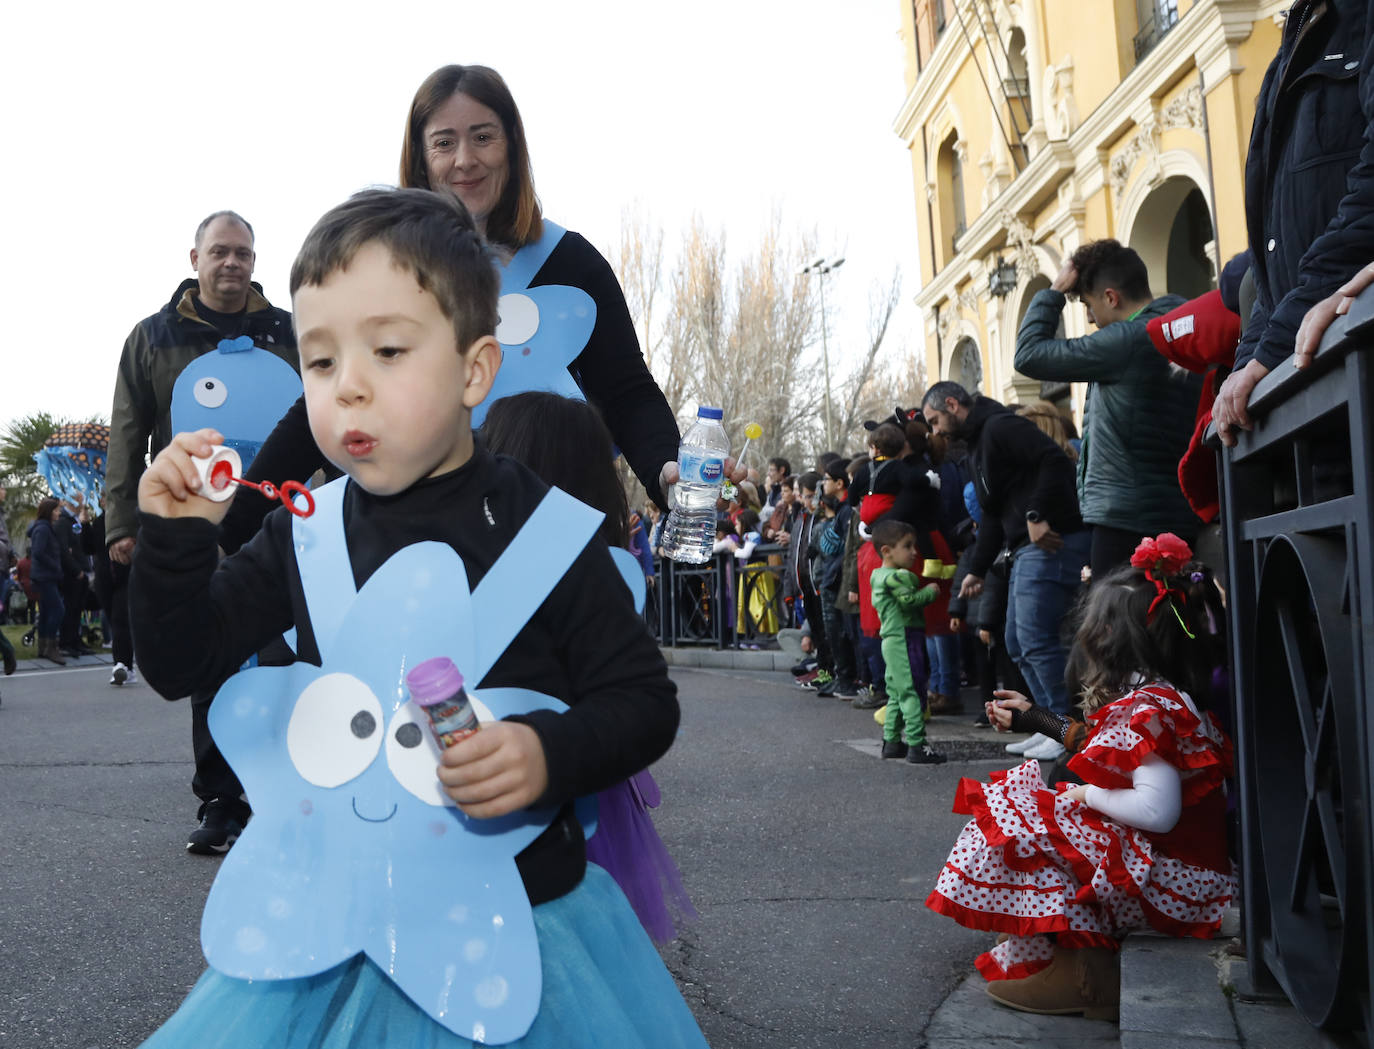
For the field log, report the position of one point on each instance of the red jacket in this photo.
(1199, 336)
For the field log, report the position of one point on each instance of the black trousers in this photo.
(112, 591)
(74, 592)
(841, 646)
(214, 778)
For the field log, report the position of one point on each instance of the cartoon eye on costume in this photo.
(335, 730)
(413, 753)
(210, 392)
(519, 319)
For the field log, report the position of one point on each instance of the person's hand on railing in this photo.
(1323, 315)
(1231, 410)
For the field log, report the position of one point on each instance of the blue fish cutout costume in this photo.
(370, 831)
(239, 390)
(541, 331)
(358, 876)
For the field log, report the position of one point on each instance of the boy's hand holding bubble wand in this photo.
(194, 477)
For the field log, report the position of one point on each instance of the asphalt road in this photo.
(807, 857)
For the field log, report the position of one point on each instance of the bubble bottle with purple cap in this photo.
(436, 685)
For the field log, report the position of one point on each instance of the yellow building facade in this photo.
(1039, 125)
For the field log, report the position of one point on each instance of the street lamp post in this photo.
(822, 267)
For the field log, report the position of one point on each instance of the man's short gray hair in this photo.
(935, 396)
(205, 223)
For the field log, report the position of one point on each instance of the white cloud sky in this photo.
(125, 124)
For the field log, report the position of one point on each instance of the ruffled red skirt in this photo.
(1032, 862)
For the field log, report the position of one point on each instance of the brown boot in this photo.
(943, 704)
(47, 649)
(1087, 981)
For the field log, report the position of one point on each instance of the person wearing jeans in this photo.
(1043, 588)
(1025, 485)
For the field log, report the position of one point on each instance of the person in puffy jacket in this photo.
(1139, 412)
(45, 556)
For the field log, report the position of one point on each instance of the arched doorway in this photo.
(1057, 393)
(966, 365)
(1172, 233)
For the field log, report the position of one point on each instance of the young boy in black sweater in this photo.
(395, 305)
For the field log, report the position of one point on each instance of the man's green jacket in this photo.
(1138, 418)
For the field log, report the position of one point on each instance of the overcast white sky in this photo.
(125, 124)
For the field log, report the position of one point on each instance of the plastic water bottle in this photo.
(690, 532)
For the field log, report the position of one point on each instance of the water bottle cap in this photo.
(710, 413)
(434, 680)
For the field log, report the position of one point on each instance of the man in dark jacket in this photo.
(220, 303)
(1309, 188)
(1140, 409)
(1025, 486)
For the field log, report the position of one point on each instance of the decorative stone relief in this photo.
(1145, 143)
(1185, 111)
(1060, 108)
(1021, 240)
(947, 318)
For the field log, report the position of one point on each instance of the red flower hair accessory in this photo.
(1160, 558)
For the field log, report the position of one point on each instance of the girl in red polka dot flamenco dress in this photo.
(1062, 874)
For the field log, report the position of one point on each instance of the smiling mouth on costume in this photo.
(373, 819)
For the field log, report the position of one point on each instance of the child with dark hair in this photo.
(390, 890)
(566, 443)
(899, 598)
(1142, 843)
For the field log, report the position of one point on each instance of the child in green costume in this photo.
(899, 597)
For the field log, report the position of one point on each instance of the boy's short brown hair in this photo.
(430, 234)
(889, 532)
(888, 439)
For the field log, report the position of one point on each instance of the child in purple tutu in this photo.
(566, 444)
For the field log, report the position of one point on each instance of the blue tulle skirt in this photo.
(604, 986)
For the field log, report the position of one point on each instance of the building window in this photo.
(1155, 17)
(939, 16)
(956, 192)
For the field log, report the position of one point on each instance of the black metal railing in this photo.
(1153, 27)
(722, 603)
(1298, 520)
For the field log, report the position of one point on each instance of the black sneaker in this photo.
(869, 700)
(925, 754)
(894, 748)
(806, 666)
(221, 822)
(845, 689)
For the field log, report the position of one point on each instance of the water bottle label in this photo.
(699, 470)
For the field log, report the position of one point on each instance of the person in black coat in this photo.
(1309, 190)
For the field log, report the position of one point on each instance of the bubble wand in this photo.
(221, 469)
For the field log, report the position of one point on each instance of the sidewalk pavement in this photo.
(1174, 993)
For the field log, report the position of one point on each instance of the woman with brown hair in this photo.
(564, 326)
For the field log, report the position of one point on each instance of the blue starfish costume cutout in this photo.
(353, 846)
(237, 389)
(542, 330)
